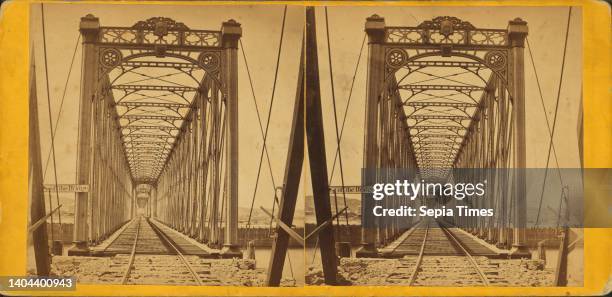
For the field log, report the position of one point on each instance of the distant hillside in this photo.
(259, 217)
(353, 204)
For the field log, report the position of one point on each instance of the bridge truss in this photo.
(159, 107)
(445, 95)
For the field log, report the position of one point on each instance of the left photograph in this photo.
(157, 142)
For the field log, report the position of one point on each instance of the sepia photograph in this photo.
(447, 96)
(287, 145)
(158, 137)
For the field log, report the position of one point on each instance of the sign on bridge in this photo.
(67, 188)
(350, 189)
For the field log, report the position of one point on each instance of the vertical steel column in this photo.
(375, 28)
(383, 160)
(134, 202)
(203, 172)
(154, 201)
(230, 34)
(193, 176)
(94, 188)
(89, 28)
(149, 202)
(517, 32)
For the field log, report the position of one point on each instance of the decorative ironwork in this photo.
(404, 35)
(446, 23)
(495, 60)
(396, 57)
(159, 31)
(489, 37)
(160, 23)
(209, 61)
(446, 30)
(110, 57)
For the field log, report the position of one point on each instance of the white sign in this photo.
(350, 189)
(64, 188)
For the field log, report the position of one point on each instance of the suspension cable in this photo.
(59, 114)
(265, 137)
(552, 132)
(265, 147)
(348, 102)
(554, 151)
(333, 92)
(42, 11)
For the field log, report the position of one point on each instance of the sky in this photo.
(261, 31)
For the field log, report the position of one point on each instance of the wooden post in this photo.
(561, 268)
(517, 32)
(35, 185)
(291, 182)
(230, 34)
(89, 28)
(375, 28)
(316, 151)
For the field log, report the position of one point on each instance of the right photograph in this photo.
(444, 146)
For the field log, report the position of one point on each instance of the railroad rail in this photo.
(439, 253)
(171, 263)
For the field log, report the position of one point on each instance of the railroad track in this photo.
(168, 266)
(442, 260)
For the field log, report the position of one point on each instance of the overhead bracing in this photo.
(472, 116)
(176, 132)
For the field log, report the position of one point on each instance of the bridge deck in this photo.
(154, 238)
(437, 243)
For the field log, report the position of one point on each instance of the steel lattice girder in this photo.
(148, 149)
(175, 65)
(151, 117)
(445, 64)
(438, 117)
(440, 104)
(139, 135)
(140, 127)
(440, 87)
(137, 152)
(153, 88)
(434, 154)
(435, 142)
(439, 127)
(152, 104)
(437, 149)
(445, 136)
(430, 158)
(147, 142)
